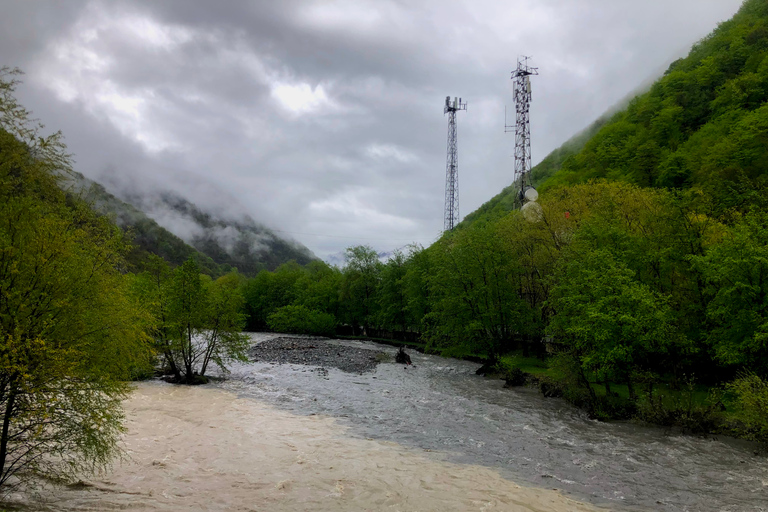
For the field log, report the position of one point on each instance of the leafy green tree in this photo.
(302, 320)
(737, 270)
(393, 298)
(615, 325)
(318, 288)
(359, 288)
(476, 293)
(203, 322)
(222, 337)
(70, 332)
(269, 291)
(751, 393)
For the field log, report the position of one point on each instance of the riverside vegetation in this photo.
(75, 325)
(646, 277)
(647, 273)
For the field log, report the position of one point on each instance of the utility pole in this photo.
(522, 128)
(452, 165)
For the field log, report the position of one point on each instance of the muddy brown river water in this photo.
(433, 436)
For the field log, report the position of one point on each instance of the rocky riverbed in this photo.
(320, 352)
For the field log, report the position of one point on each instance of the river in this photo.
(431, 436)
(441, 405)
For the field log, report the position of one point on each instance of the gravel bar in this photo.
(317, 352)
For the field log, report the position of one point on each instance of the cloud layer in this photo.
(323, 119)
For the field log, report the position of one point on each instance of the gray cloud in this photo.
(325, 118)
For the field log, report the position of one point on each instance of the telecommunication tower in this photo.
(452, 164)
(522, 129)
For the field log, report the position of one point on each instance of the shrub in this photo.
(752, 400)
(302, 320)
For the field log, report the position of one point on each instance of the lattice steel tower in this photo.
(452, 164)
(522, 126)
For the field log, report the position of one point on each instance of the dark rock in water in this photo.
(489, 366)
(516, 377)
(550, 390)
(402, 357)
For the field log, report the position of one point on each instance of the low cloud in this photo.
(324, 119)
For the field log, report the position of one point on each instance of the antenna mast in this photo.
(452, 164)
(522, 126)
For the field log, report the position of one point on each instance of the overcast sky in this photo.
(324, 119)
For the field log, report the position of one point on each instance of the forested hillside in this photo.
(504, 202)
(217, 244)
(642, 288)
(240, 243)
(701, 127)
(146, 235)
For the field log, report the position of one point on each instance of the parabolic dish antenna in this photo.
(530, 194)
(532, 211)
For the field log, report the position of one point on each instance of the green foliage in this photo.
(752, 400)
(702, 125)
(302, 320)
(690, 408)
(359, 287)
(269, 291)
(475, 292)
(196, 320)
(615, 324)
(70, 328)
(737, 270)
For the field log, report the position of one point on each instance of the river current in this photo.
(439, 405)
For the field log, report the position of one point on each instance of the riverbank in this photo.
(202, 448)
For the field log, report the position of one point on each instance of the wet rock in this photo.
(550, 390)
(402, 357)
(515, 377)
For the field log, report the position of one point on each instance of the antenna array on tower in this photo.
(452, 164)
(522, 126)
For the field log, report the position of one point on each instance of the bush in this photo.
(302, 320)
(752, 400)
(682, 409)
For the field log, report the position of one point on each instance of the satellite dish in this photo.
(532, 212)
(530, 194)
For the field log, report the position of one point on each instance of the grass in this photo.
(533, 365)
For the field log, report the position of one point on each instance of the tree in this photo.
(224, 321)
(269, 291)
(613, 324)
(359, 288)
(737, 270)
(69, 329)
(393, 301)
(476, 290)
(197, 320)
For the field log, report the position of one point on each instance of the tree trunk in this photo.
(631, 388)
(4, 435)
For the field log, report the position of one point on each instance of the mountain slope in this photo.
(147, 236)
(503, 202)
(702, 126)
(239, 242)
(219, 243)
